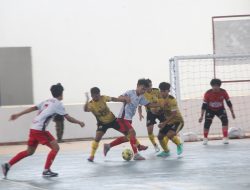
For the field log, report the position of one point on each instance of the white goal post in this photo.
(190, 78)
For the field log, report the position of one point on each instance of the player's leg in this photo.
(45, 138)
(23, 154)
(95, 143)
(150, 128)
(172, 135)
(31, 148)
(209, 115)
(224, 120)
(163, 143)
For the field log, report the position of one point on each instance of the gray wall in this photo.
(15, 76)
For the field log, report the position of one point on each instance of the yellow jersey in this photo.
(101, 110)
(171, 105)
(152, 97)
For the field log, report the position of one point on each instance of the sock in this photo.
(164, 145)
(205, 132)
(137, 142)
(118, 141)
(51, 156)
(132, 141)
(225, 131)
(18, 157)
(152, 138)
(94, 147)
(176, 140)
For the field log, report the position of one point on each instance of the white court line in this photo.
(24, 184)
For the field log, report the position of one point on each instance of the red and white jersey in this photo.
(46, 111)
(215, 100)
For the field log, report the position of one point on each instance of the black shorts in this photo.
(221, 114)
(104, 127)
(151, 118)
(176, 127)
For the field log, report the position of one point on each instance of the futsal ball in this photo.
(127, 154)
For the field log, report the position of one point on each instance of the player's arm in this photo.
(230, 105)
(169, 119)
(29, 110)
(125, 99)
(73, 120)
(86, 107)
(140, 112)
(204, 106)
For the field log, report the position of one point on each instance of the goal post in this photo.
(190, 78)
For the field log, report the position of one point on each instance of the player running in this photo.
(38, 132)
(213, 104)
(173, 123)
(105, 118)
(152, 95)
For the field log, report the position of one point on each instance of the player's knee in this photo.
(30, 152)
(160, 136)
(207, 123)
(224, 121)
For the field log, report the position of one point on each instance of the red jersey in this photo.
(215, 100)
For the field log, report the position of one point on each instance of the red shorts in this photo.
(125, 125)
(42, 137)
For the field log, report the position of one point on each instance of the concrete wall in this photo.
(17, 131)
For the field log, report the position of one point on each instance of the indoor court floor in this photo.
(212, 167)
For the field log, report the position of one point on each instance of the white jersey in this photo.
(128, 110)
(46, 111)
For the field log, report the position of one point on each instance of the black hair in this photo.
(143, 82)
(95, 90)
(149, 81)
(215, 82)
(164, 86)
(56, 90)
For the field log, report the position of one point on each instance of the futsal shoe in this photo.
(138, 157)
(106, 148)
(91, 159)
(5, 169)
(205, 141)
(49, 173)
(142, 147)
(179, 149)
(225, 140)
(163, 154)
(157, 149)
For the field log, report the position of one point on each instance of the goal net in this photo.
(190, 78)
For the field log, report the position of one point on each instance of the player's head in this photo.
(215, 83)
(57, 91)
(164, 89)
(95, 93)
(149, 85)
(142, 86)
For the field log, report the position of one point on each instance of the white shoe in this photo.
(225, 140)
(205, 141)
(157, 149)
(138, 157)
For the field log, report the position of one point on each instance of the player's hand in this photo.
(161, 125)
(82, 124)
(233, 115)
(200, 119)
(141, 117)
(13, 117)
(87, 96)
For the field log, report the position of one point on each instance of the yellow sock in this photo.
(164, 145)
(94, 147)
(137, 142)
(152, 139)
(166, 139)
(176, 140)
